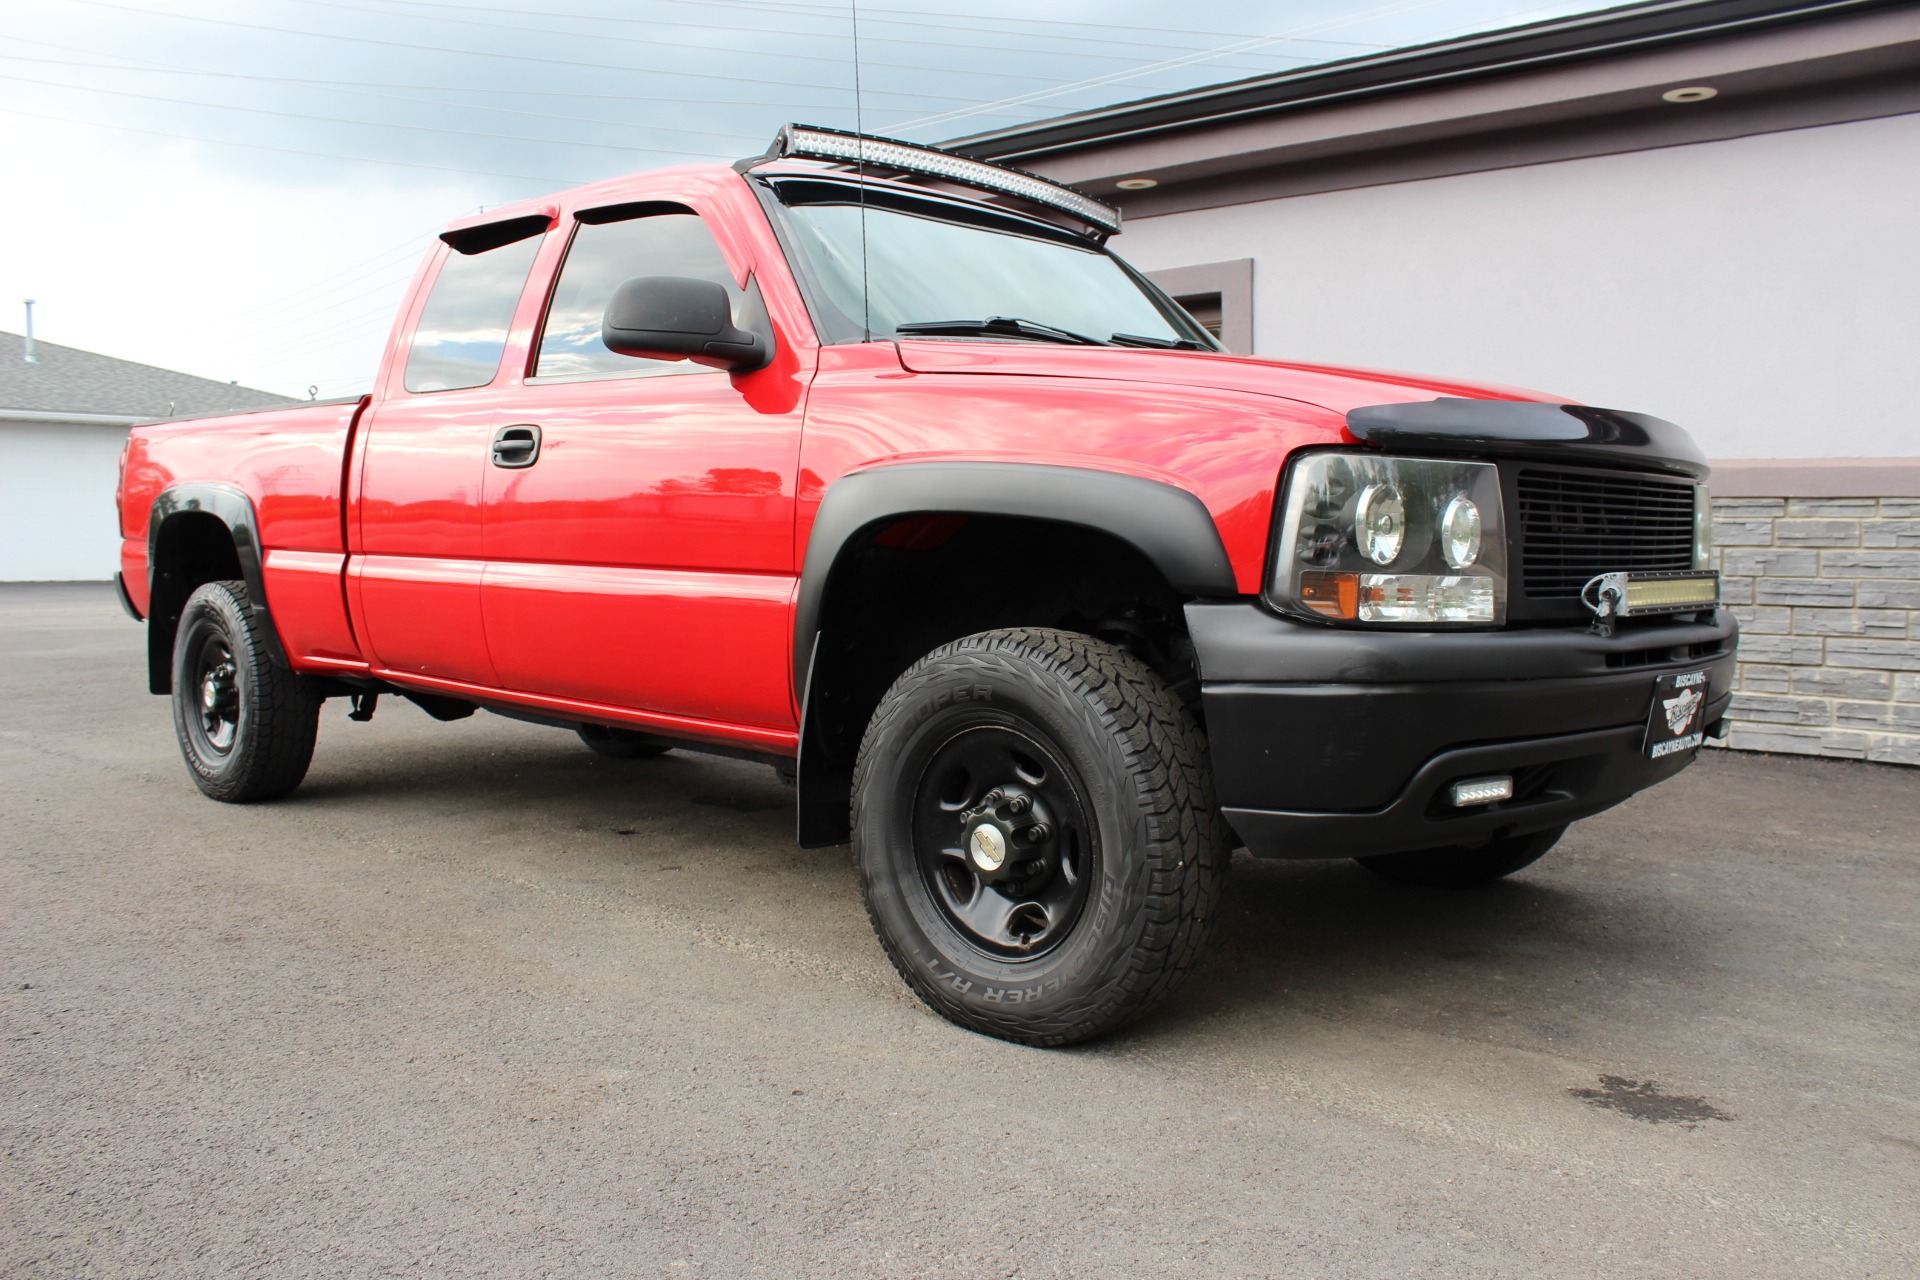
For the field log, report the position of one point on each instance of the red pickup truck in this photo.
(873, 462)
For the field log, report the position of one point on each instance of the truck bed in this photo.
(290, 464)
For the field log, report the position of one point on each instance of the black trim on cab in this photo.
(168, 591)
(1562, 433)
(1170, 527)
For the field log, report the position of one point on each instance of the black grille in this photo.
(1575, 524)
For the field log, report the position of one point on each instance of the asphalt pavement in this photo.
(476, 1002)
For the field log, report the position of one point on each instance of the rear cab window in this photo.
(462, 331)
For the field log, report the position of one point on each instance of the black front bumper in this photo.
(1333, 743)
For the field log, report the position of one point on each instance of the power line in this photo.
(271, 339)
(293, 350)
(391, 275)
(918, 20)
(292, 151)
(372, 124)
(655, 41)
(655, 23)
(1189, 60)
(158, 68)
(483, 53)
(385, 97)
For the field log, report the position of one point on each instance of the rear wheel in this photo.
(246, 725)
(1462, 866)
(1035, 833)
(621, 744)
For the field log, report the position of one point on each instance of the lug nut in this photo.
(1039, 831)
(1019, 804)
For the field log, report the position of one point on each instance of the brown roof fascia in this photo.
(1554, 90)
(1589, 35)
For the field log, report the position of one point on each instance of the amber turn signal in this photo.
(1333, 595)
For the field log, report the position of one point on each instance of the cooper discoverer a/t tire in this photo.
(246, 725)
(1034, 828)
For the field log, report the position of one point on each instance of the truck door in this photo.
(643, 558)
(426, 445)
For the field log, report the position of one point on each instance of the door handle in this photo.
(516, 446)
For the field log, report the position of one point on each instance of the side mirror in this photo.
(680, 318)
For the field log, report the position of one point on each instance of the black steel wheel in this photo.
(1464, 866)
(1004, 839)
(246, 725)
(621, 744)
(1035, 833)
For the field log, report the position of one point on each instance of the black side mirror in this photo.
(679, 318)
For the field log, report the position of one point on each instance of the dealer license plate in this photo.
(1679, 705)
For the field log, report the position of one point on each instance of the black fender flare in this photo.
(1168, 525)
(234, 509)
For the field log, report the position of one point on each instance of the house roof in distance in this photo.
(66, 380)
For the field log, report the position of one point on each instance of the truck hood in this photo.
(1327, 387)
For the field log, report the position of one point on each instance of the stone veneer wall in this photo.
(1827, 591)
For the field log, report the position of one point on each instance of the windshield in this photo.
(923, 269)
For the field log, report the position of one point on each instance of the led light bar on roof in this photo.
(835, 144)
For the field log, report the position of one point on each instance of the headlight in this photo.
(1380, 519)
(1460, 532)
(1369, 538)
(1702, 528)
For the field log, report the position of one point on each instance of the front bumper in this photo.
(1333, 743)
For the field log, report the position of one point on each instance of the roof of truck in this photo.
(629, 186)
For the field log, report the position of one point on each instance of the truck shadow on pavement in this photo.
(1551, 958)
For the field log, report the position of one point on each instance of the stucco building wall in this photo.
(1759, 291)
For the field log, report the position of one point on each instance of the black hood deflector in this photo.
(1529, 429)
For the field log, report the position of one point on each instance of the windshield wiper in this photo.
(1001, 326)
(1167, 344)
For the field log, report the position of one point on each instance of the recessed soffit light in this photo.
(1137, 184)
(1691, 93)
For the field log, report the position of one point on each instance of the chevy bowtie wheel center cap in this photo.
(987, 847)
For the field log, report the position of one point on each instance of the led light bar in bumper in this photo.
(1660, 595)
(1628, 595)
(817, 143)
(1481, 791)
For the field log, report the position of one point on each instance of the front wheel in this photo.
(1463, 866)
(1034, 827)
(246, 725)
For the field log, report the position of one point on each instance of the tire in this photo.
(1463, 866)
(621, 744)
(1090, 781)
(246, 725)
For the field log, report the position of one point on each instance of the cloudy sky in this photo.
(242, 188)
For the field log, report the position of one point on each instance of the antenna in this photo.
(27, 353)
(860, 164)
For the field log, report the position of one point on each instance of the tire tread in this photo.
(1187, 842)
(277, 746)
